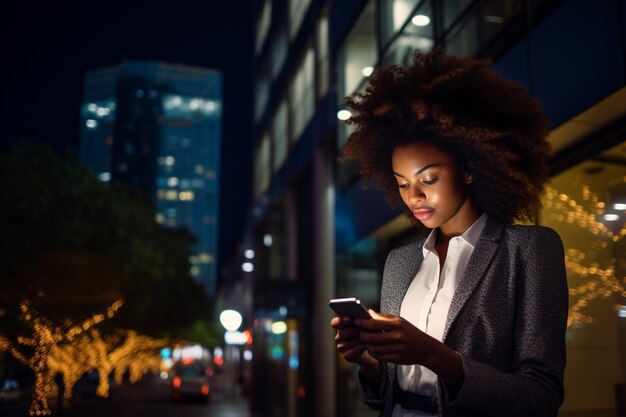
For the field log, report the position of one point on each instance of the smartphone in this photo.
(350, 307)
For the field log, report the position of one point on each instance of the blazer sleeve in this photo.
(534, 385)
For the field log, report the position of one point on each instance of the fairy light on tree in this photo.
(600, 273)
(45, 337)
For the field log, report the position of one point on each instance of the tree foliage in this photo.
(72, 244)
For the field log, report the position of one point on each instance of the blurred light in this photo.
(231, 319)
(160, 218)
(279, 327)
(169, 160)
(247, 355)
(103, 111)
(205, 389)
(267, 240)
(610, 217)
(619, 206)
(248, 335)
(367, 71)
(166, 353)
(234, 338)
(91, 123)
(420, 20)
(494, 19)
(343, 114)
(198, 169)
(195, 271)
(172, 181)
(186, 196)
(247, 267)
(176, 383)
(164, 375)
(139, 93)
(195, 104)
(282, 310)
(104, 176)
(622, 312)
(249, 254)
(218, 352)
(92, 107)
(209, 106)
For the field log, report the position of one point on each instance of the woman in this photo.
(473, 317)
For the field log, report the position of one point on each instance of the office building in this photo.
(157, 127)
(318, 234)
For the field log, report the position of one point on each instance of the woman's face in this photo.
(431, 186)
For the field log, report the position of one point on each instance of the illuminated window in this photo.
(418, 34)
(263, 25)
(321, 45)
(576, 205)
(297, 11)
(262, 166)
(186, 196)
(280, 136)
(302, 95)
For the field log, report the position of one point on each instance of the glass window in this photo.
(359, 52)
(321, 44)
(262, 166)
(280, 136)
(452, 9)
(278, 51)
(357, 57)
(417, 35)
(262, 91)
(394, 14)
(586, 205)
(297, 11)
(263, 25)
(481, 26)
(302, 95)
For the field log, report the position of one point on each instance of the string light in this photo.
(599, 281)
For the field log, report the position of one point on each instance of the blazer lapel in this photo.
(480, 260)
(406, 275)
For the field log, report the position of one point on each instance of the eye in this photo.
(403, 186)
(430, 182)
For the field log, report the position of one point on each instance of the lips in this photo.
(422, 214)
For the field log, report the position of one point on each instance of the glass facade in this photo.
(340, 47)
(160, 130)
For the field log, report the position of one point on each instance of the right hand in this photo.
(349, 344)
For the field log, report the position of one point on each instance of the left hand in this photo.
(393, 339)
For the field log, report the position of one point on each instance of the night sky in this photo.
(46, 47)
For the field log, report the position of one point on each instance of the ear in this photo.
(468, 178)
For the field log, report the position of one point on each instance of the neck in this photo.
(464, 218)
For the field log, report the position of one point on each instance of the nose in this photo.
(416, 194)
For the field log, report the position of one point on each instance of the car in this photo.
(191, 380)
(9, 391)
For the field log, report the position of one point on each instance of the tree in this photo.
(73, 245)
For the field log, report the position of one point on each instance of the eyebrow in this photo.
(419, 171)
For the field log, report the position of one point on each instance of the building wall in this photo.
(570, 54)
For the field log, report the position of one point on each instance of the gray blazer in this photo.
(507, 320)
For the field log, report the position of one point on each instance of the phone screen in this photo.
(350, 307)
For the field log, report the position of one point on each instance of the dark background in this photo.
(46, 46)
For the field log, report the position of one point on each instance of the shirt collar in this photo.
(471, 235)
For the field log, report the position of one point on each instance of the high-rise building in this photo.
(157, 127)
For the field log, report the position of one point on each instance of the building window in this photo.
(302, 95)
(394, 14)
(263, 25)
(321, 44)
(262, 166)
(280, 136)
(481, 25)
(262, 91)
(357, 57)
(278, 52)
(586, 205)
(297, 11)
(417, 34)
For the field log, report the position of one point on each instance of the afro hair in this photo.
(493, 127)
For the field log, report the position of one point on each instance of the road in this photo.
(147, 398)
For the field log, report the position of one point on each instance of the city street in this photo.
(147, 398)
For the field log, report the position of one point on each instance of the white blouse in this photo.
(427, 301)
